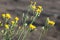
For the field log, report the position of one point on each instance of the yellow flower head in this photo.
(33, 7)
(32, 27)
(16, 18)
(6, 26)
(12, 22)
(3, 15)
(51, 22)
(40, 7)
(38, 11)
(8, 16)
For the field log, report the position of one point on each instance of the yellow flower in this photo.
(12, 22)
(38, 11)
(33, 7)
(3, 15)
(8, 16)
(32, 26)
(51, 22)
(40, 7)
(6, 26)
(16, 18)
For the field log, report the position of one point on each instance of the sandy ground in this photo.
(51, 9)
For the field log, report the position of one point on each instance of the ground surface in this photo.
(51, 9)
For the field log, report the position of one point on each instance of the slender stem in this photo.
(34, 19)
(26, 34)
(21, 33)
(16, 33)
(41, 35)
(23, 25)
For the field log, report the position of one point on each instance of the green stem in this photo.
(26, 34)
(21, 33)
(23, 26)
(41, 35)
(34, 18)
(15, 34)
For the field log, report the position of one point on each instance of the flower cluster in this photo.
(9, 25)
(7, 15)
(37, 9)
(12, 26)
